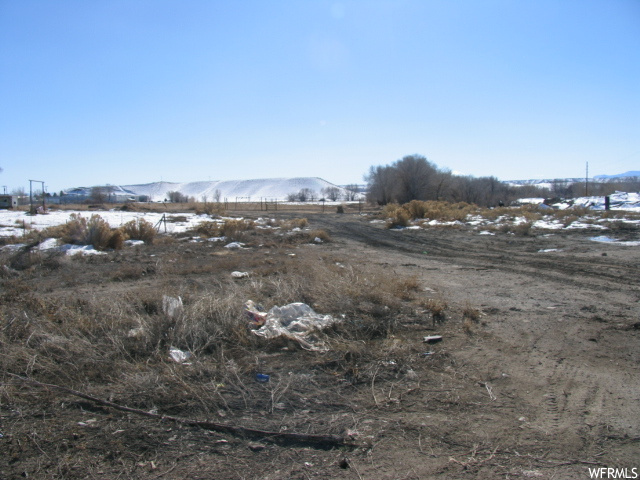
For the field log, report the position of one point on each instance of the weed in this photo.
(471, 313)
(437, 309)
(467, 326)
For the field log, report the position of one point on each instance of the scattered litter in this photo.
(256, 317)
(172, 306)
(486, 232)
(137, 332)
(317, 240)
(426, 354)
(234, 246)
(296, 321)
(532, 473)
(87, 423)
(547, 250)
(239, 274)
(178, 355)
(262, 377)
(256, 447)
(432, 339)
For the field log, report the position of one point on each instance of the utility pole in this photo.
(32, 211)
(586, 182)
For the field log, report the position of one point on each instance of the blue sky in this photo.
(135, 91)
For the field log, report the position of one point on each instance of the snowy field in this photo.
(13, 223)
(16, 223)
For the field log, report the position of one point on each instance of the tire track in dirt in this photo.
(464, 248)
(575, 394)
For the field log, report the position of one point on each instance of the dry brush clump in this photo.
(139, 229)
(81, 230)
(437, 308)
(232, 229)
(402, 215)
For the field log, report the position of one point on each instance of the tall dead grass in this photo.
(401, 215)
(91, 337)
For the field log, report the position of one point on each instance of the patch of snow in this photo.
(133, 243)
(548, 224)
(80, 250)
(48, 244)
(614, 241)
(12, 248)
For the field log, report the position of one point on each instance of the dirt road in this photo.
(557, 357)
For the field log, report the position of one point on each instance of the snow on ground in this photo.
(231, 190)
(13, 223)
(629, 201)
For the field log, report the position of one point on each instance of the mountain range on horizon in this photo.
(596, 178)
(279, 189)
(214, 190)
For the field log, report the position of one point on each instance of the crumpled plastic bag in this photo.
(297, 321)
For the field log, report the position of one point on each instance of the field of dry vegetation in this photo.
(90, 388)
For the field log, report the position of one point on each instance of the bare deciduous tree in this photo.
(331, 193)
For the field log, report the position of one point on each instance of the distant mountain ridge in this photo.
(231, 190)
(549, 181)
(629, 174)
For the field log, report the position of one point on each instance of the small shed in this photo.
(8, 201)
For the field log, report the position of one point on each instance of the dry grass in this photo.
(437, 308)
(95, 336)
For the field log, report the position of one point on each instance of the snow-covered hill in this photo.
(231, 190)
(548, 183)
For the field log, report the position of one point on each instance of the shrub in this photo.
(437, 309)
(233, 229)
(522, 230)
(471, 313)
(400, 218)
(93, 231)
(321, 234)
(139, 229)
(295, 223)
(209, 229)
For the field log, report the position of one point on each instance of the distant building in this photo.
(8, 201)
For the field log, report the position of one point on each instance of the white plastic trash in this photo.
(178, 355)
(172, 306)
(297, 321)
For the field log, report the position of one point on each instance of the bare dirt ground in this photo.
(544, 384)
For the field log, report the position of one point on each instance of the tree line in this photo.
(413, 177)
